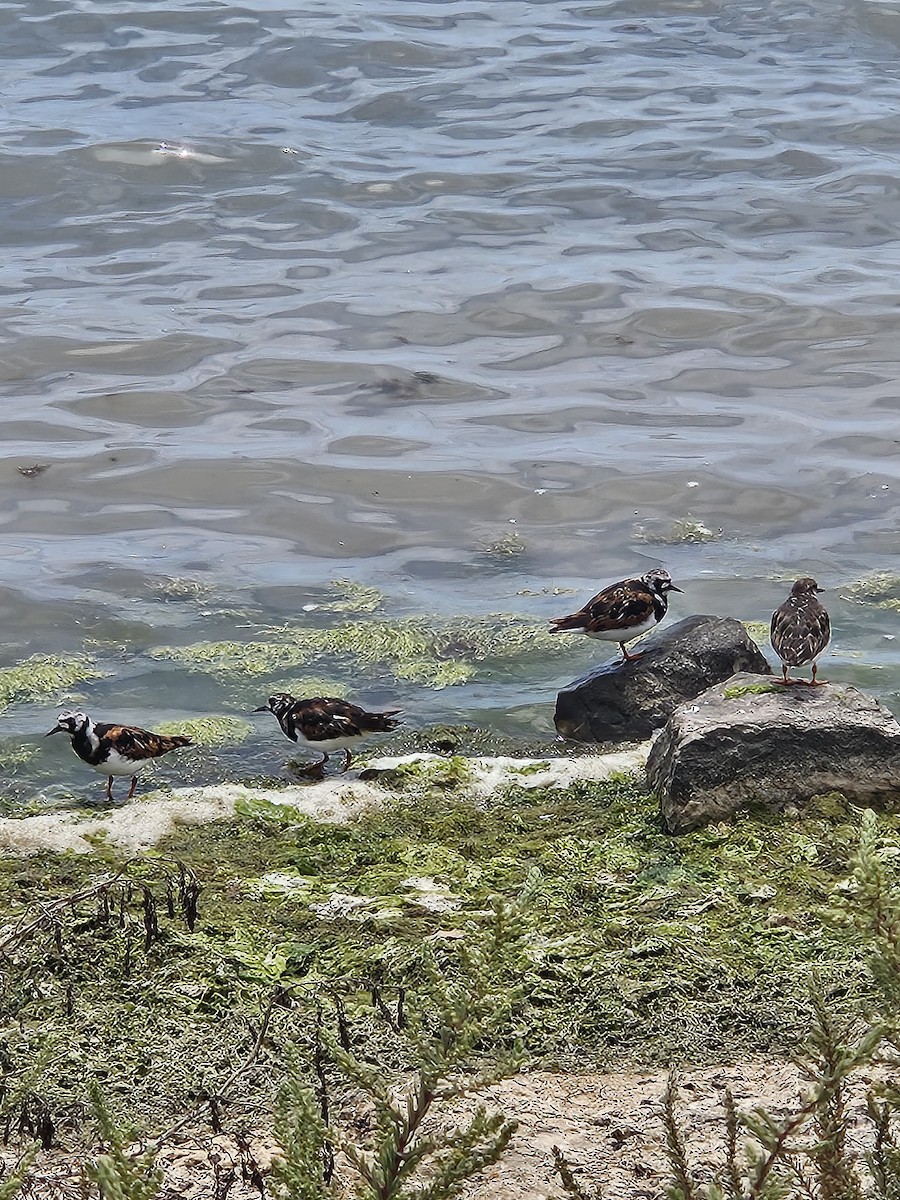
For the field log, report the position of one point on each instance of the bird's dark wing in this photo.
(325, 720)
(136, 744)
(621, 606)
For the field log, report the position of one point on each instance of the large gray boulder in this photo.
(626, 701)
(752, 741)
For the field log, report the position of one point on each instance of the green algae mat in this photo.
(157, 975)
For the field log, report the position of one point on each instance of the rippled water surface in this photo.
(468, 302)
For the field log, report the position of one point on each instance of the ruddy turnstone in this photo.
(327, 724)
(800, 630)
(115, 749)
(623, 610)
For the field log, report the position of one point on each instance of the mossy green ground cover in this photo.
(644, 947)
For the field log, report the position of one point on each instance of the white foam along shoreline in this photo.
(148, 819)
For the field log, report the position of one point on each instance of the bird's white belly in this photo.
(623, 635)
(343, 743)
(117, 765)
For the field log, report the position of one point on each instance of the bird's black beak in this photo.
(818, 589)
(673, 588)
(262, 708)
(58, 729)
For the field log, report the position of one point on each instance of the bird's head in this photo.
(805, 587)
(277, 704)
(660, 581)
(70, 723)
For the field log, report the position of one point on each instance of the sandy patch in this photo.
(607, 1124)
(148, 819)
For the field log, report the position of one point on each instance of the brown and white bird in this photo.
(115, 749)
(623, 610)
(800, 630)
(326, 723)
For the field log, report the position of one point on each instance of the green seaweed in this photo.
(210, 731)
(231, 659)
(354, 597)
(44, 677)
(411, 649)
(750, 689)
(758, 630)
(427, 773)
(403, 646)
(15, 754)
(469, 740)
(180, 588)
(881, 589)
(685, 530)
(314, 685)
(508, 545)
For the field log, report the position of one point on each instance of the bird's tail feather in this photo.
(384, 722)
(175, 741)
(561, 624)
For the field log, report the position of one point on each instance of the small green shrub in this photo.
(119, 1173)
(407, 1157)
(809, 1153)
(14, 1183)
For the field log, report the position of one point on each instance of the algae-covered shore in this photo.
(152, 970)
(179, 949)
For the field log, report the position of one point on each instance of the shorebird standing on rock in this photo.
(800, 631)
(622, 611)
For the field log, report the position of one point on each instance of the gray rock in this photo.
(751, 741)
(626, 701)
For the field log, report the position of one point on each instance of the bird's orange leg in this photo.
(133, 786)
(109, 782)
(316, 770)
(816, 682)
(349, 760)
(629, 657)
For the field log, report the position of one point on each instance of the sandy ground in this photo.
(146, 820)
(608, 1125)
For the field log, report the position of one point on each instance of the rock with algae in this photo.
(626, 701)
(737, 744)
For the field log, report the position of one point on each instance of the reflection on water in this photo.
(287, 298)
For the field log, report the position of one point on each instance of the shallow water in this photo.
(466, 302)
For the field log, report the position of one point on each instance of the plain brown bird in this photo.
(800, 630)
